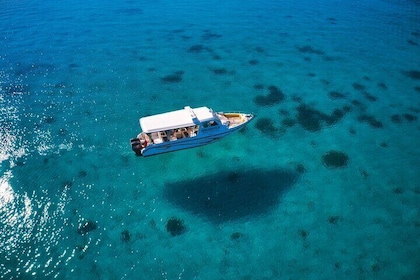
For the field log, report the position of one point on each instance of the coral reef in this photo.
(197, 49)
(176, 77)
(220, 71)
(336, 95)
(310, 50)
(371, 120)
(274, 96)
(125, 236)
(311, 119)
(335, 159)
(382, 85)
(303, 233)
(333, 219)
(300, 168)
(265, 125)
(175, 226)
(236, 235)
(208, 35)
(413, 74)
(86, 226)
(409, 117)
(369, 96)
(253, 62)
(359, 87)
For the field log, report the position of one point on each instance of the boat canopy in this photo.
(175, 119)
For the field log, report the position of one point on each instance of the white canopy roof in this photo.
(175, 119)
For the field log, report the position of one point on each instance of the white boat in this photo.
(184, 129)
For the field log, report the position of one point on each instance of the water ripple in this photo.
(32, 227)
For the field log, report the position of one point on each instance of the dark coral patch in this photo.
(284, 112)
(412, 42)
(220, 71)
(413, 74)
(309, 118)
(175, 226)
(197, 49)
(50, 119)
(335, 117)
(309, 49)
(253, 62)
(369, 96)
(236, 235)
(233, 177)
(171, 79)
(371, 120)
(382, 85)
(398, 190)
(303, 233)
(417, 89)
(359, 87)
(125, 236)
(62, 132)
(336, 95)
(208, 35)
(312, 120)
(274, 96)
(300, 168)
(332, 20)
(409, 117)
(259, 50)
(346, 108)
(333, 219)
(384, 145)
(325, 82)
(331, 58)
(176, 77)
(357, 103)
(86, 226)
(335, 159)
(265, 125)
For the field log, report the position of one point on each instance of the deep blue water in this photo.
(324, 184)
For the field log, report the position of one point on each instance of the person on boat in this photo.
(143, 143)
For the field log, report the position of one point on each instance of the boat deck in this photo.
(234, 119)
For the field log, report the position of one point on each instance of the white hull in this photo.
(200, 133)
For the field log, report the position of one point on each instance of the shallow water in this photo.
(322, 76)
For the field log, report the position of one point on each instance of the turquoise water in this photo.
(324, 184)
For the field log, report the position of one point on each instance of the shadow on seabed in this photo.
(230, 195)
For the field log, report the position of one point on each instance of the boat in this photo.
(184, 129)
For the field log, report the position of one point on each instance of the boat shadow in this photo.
(231, 195)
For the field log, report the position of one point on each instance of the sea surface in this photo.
(323, 184)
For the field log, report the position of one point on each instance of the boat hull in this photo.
(186, 143)
(159, 136)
